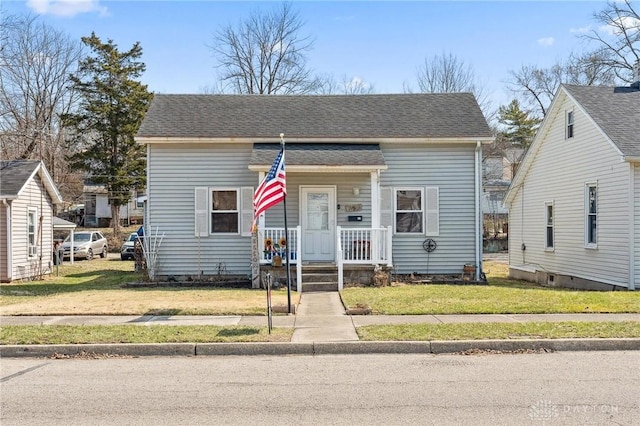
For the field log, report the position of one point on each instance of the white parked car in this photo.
(128, 247)
(86, 244)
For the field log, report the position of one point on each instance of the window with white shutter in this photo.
(201, 208)
(247, 210)
(386, 206)
(432, 211)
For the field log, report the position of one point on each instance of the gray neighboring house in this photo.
(370, 180)
(28, 198)
(574, 204)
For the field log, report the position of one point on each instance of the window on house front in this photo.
(409, 210)
(224, 211)
(549, 225)
(570, 119)
(591, 219)
(32, 232)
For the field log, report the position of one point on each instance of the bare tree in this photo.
(618, 38)
(265, 54)
(328, 85)
(34, 90)
(445, 73)
(537, 86)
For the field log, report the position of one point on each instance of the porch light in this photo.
(356, 191)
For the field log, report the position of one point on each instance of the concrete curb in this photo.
(318, 348)
(258, 348)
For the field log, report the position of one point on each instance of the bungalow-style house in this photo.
(392, 180)
(574, 204)
(97, 208)
(28, 197)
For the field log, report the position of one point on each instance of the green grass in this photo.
(67, 334)
(484, 331)
(95, 288)
(501, 296)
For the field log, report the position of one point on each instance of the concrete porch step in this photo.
(319, 286)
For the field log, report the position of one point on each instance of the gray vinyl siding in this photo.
(559, 173)
(173, 173)
(32, 196)
(452, 170)
(344, 183)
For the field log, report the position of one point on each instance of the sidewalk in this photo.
(320, 326)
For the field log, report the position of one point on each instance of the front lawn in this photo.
(501, 296)
(484, 331)
(94, 288)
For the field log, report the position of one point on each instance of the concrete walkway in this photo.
(321, 318)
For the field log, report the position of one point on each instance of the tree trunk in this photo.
(115, 219)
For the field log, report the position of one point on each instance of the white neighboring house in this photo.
(28, 199)
(574, 204)
(97, 208)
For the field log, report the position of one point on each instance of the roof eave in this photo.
(195, 140)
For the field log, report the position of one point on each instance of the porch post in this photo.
(374, 250)
(375, 200)
(261, 220)
(299, 258)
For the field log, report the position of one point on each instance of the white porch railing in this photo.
(293, 241)
(365, 246)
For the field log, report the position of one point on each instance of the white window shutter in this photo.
(201, 207)
(246, 212)
(432, 211)
(386, 206)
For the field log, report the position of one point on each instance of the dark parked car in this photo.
(86, 244)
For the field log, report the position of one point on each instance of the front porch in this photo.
(357, 253)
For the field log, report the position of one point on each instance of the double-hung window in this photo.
(549, 216)
(32, 231)
(570, 120)
(224, 211)
(591, 215)
(409, 209)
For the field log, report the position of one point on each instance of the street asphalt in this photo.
(321, 326)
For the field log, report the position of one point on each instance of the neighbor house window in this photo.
(224, 211)
(570, 119)
(549, 215)
(409, 210)
(591, 219)
(32, 231)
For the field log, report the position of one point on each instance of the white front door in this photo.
(318, 213)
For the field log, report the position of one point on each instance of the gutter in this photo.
(8, 244)
(478, 172)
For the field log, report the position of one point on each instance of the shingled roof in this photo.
(616, 110)
(15, 174)
(328, 117)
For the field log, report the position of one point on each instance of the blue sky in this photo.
(379, 42)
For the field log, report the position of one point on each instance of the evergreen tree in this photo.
(519, 126)
(112, 106)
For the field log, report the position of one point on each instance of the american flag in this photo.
(271, 190)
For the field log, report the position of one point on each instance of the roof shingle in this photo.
(328, 117)
(616, 110)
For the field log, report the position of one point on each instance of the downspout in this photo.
(8, 244)
(632, 230)
(478, 170)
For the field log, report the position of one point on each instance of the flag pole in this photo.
(286, 236)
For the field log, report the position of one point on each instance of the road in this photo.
(567, 388)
